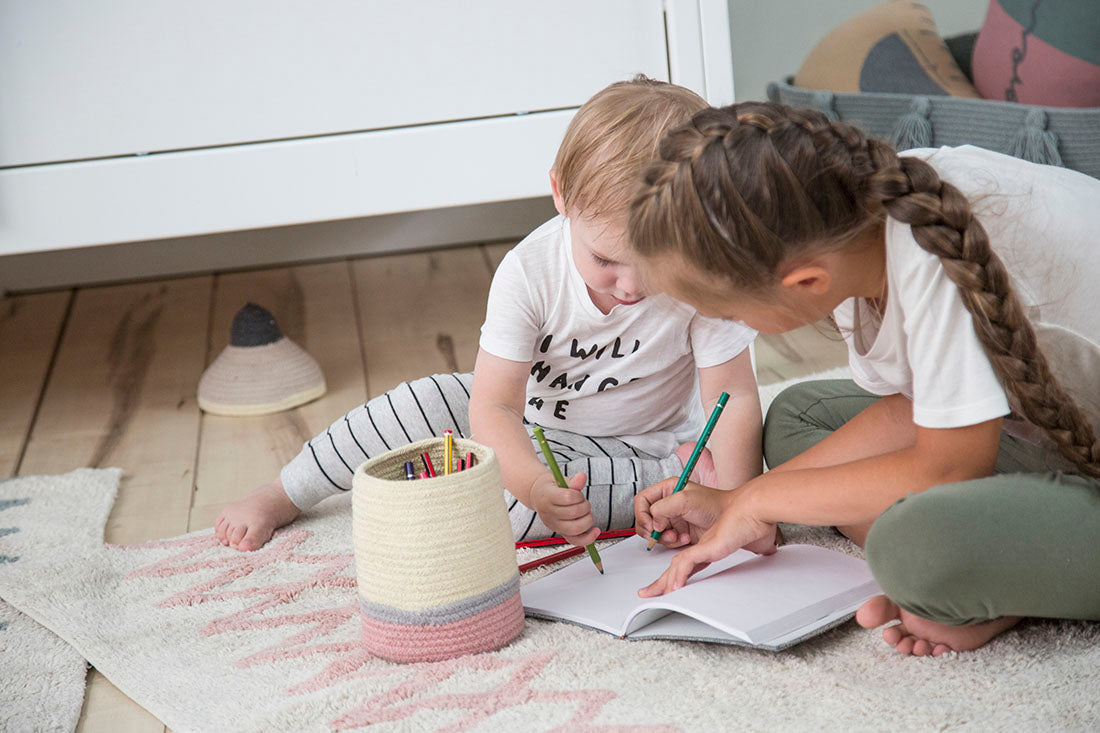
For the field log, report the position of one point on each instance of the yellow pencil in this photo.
(448, 452)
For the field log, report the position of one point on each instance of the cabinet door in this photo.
(86, 79)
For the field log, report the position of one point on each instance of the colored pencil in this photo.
(549, 541)
(448, 452)
(690, 465)
(555, 557)
(424, 474)
(428, 463)
(470, 460)
(410, 472)
(553, 464)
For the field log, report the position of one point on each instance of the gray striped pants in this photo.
(424, 408)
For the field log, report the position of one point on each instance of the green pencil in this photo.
(690, 465)
(592, 553)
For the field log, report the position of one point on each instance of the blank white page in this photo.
(756, 598)
(579, 593)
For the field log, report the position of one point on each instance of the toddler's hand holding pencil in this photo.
(565, 510)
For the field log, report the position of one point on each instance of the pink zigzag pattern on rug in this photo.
(352, 661)
(390, 706)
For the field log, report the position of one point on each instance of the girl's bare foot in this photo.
(921, 637)
(247, 524)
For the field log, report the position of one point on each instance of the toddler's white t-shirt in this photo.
(1042, 221)
(630, 373)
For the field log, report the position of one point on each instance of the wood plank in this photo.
(315, 308)
(421, 313)
(797, 353)
(108, 710)
(29, 326)
(122, 393)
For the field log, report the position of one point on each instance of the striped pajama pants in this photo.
(424, 408)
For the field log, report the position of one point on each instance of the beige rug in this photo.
(210, 639)
(41, 676)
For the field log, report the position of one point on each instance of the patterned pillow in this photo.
(893, 47)
(1040, 52)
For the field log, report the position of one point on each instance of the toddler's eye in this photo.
(601, 261)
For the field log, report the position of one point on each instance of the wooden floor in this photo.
(106, 376)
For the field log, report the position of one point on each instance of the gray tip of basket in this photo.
(254, 326)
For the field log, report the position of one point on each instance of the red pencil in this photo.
(567, 553)
(547, 541)
(571, 552)
(428, 463)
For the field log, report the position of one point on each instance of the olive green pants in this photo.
(1023, 542)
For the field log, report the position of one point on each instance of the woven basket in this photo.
(1065, 136)
(434, 557)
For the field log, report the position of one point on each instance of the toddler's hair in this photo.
(612, 137)
(740, 190)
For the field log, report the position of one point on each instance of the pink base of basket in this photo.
(483, 632)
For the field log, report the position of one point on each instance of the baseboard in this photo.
(267, 247)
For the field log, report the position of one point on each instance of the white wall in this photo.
(770, 38)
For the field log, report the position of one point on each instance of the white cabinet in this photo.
(128, 120)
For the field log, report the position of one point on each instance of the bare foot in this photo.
(921, 637)
(247, 523)
(704, 472)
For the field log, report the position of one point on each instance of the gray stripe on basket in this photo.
(445, 614)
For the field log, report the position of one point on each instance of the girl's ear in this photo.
(559, 202)
(812, 279)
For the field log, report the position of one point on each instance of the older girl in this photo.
(964, 451)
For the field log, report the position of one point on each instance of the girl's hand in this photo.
(682, 517)
(565, 511)
(734, 529)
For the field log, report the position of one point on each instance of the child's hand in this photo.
(681, 518)
(565, 511)
(734, 529)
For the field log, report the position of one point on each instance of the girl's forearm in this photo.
(850, 493)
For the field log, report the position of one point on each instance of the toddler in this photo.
(618, 380)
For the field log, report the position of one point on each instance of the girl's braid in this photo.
(943, 223)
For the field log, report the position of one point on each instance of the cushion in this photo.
(893, 47)
(1043, 53)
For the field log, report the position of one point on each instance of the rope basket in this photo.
(434, 557)
(1065, 136)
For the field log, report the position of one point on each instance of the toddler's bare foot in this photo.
(247, 523)
(704, 472)
(921, 637)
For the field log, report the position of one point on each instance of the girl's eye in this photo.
(601, 261)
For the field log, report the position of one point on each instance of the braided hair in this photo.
(742, 189)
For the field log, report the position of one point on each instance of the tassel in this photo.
(1034, 142)
(826, 102)
(914, 129)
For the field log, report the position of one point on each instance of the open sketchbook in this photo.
(767, 602)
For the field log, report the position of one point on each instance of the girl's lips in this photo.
(627, 302)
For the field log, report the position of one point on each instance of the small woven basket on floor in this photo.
(434, 557)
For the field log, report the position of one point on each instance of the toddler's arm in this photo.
(496, 419)
(735, 443)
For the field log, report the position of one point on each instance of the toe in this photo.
(922, 648)
(905, 646)
(235, 534)
(876, 612)
(893, 634)
(941, 649)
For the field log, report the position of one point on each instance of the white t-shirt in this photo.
(630, 373)
(1043, 222)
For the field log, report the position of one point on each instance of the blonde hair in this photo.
(612, 137)
(738, 191)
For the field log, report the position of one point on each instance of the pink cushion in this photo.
(1040, 53)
